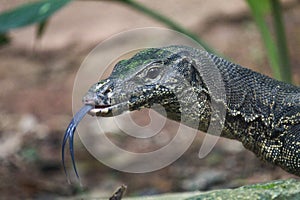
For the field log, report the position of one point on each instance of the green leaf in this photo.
(262, 6)
(271, 49)
(29, 13)
(283, 53)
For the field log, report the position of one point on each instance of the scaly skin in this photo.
(262, 113)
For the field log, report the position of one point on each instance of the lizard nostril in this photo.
(108, 90)
(88, 102)
(89, 99)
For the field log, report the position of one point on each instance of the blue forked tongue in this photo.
(69, 134)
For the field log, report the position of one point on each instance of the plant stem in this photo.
(285, 69)
(167, 21)
(272, 52)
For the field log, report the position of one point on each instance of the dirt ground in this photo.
(37, 77)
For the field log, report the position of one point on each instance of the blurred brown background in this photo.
(36, 79)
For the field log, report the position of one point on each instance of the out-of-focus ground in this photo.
(37, 76)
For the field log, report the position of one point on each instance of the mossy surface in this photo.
(275, 190)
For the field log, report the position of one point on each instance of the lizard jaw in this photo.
(99, 109)
(109, 110)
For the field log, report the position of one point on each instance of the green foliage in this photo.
(261, 7)
(283, 54)
(29, 14)
(276, 50)
(276, 53)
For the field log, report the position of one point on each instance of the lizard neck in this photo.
(262, 113)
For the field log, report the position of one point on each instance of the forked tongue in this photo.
(69, 135)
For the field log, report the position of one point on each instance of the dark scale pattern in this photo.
(262, 113)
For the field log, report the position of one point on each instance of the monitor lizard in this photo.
(262, 113)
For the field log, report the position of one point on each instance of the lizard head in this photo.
(167, 76)
(153, 76)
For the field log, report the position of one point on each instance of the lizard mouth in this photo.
(98, 109)
(109, 110)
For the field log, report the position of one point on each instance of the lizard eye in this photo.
(153, 72)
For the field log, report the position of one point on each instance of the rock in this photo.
(279, 190)
(231, 146)
(275, 190)
(16, 130)
(203, 180)
(27, 123)
(10, 144)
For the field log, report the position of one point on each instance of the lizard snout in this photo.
(99, 95)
